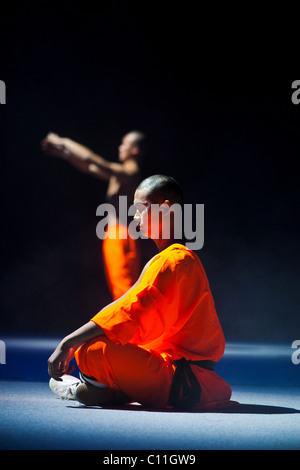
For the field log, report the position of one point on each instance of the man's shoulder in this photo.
(180, 251)
(178, 255)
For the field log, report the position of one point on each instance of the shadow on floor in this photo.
(234, 408)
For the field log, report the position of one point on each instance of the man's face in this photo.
(150, 216)
(128, 147)
(143, 212)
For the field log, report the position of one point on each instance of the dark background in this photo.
(219, 118)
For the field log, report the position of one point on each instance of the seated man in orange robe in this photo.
(158, 344)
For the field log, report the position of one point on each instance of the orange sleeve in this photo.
(144, 313)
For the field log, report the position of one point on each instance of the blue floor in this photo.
(264, 381)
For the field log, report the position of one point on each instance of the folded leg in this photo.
(140, 375)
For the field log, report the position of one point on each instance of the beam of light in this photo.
(258, 350)
(231, 349)
(31, 343)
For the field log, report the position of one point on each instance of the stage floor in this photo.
(31, 417)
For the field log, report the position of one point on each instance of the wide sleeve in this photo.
(145, 313)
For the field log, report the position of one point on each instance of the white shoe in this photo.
(65, 389)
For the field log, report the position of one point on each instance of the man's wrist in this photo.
(66, 344)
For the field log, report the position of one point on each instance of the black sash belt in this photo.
(185, 390)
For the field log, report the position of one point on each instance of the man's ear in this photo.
(165, 207)
(135, 149)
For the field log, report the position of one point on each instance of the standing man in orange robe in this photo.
(158, 344)
(121, 254)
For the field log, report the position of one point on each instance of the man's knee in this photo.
(92, 360)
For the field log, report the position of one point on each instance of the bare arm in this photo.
(58, 362)
(85, 159)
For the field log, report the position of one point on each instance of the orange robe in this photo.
(168, 315)
(121, 258)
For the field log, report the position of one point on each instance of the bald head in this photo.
(159, 188)
(133, 146)
(138, 139)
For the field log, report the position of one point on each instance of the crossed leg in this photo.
(128, 373)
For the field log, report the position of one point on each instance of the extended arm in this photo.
(85, 159)
(58, 362)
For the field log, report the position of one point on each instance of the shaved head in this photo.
(160, 188)
(140, 139)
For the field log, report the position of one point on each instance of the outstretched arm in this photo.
(85, 159)
(58, 362)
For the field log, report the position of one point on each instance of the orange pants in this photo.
(121, 259)
(142, 375)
